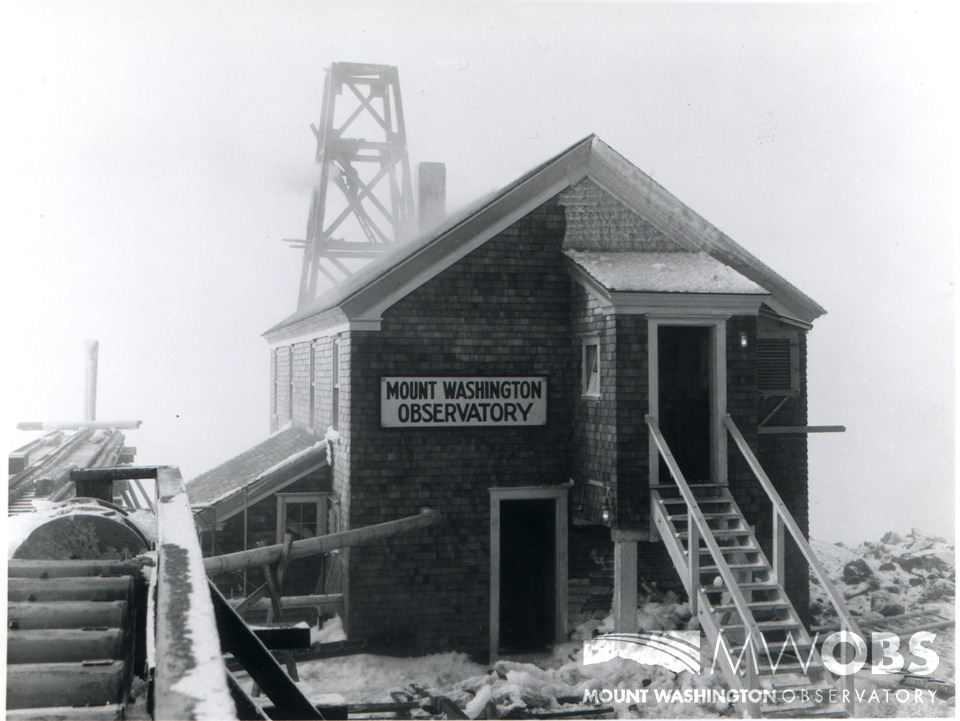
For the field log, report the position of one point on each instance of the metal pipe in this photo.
(324, 599)
(306, 547)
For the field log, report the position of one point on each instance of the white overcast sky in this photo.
(155, 154)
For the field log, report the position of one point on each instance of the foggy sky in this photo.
(155, 154)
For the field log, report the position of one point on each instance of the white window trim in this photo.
(320, 498)
(585, 372)
(718, 389)
(335, 382)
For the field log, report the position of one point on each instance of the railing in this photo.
(783, 519)
(698, 528)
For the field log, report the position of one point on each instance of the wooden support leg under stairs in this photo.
(784, 657)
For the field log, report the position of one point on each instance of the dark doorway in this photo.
(684, 398)
(527, 574)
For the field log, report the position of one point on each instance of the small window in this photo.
(335, 411)
(313, 385)
(276, 389)
(290, 384)
(590, 368)
(778, 365)
(302, 515)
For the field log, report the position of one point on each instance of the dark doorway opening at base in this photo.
(527, 575)
(684, 399)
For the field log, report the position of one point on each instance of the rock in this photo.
(916, 581)
(938, 589)
(891, 538)
(908, 563)
(933, 562)
(887, 567)
(895, 590)
(885, 606)
(856, 572)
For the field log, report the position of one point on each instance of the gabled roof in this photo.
(361, 299)
(265, 468)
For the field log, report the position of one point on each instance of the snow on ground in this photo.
(332, 630)
(880, 580)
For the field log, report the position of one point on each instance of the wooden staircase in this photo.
(800, 666)
(753, 632)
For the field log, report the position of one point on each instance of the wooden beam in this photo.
(67, 614)
(801, 429)
(76, 425)
(64, 684)
(237, 638)
(61, 645)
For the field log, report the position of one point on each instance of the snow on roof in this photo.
(268, 456)
(661, 272)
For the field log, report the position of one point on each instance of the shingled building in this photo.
(516, 370)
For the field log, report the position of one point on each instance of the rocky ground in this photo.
(900, 583)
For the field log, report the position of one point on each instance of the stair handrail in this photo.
(696, 516)
(786, 518)
(780, 508)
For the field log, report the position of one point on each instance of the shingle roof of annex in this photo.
(245, 468)
(640, 271)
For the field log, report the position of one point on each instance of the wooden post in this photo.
(693, 557)
(625, 580)
(778, 547)
(90, 399)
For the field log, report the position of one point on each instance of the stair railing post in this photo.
(849, 691)
(753, 683)
(778, 546)
(693, 556)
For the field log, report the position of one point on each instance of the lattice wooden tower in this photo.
(364, 200)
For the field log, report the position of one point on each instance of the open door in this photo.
(683, 360)
(528, 568)
(527, 575)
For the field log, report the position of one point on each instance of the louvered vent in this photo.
(774, 364)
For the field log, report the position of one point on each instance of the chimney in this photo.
(90, 407)
(432, 192)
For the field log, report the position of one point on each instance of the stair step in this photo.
(731, 516)
(735, 567)
(803, 647)
(784, 625)
(784, 667)
(720, 533)
(835, 711)
(746, 586)
(712, 500)
(746, 550)
(754, 606)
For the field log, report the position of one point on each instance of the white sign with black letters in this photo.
(444, 401)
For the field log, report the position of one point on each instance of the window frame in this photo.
(335, 375)
(320, 498)
(313, 385)
(589, 389)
